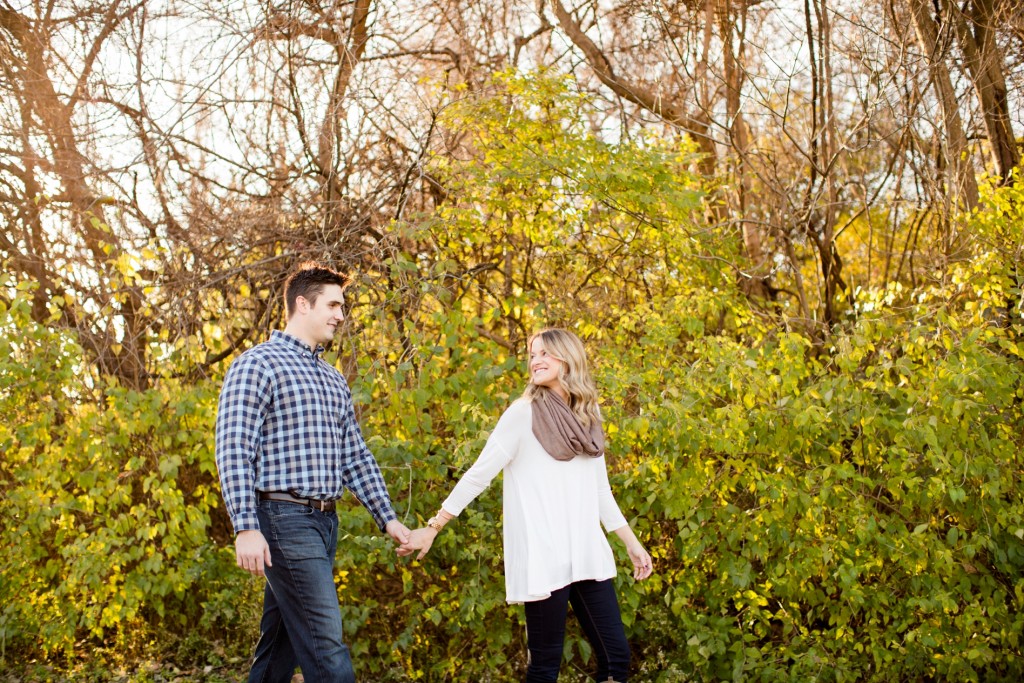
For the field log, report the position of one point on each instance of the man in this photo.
(288, 445)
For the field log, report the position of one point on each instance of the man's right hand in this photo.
(252, 553)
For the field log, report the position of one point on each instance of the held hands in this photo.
(420, 539)
(398, 532)
(252, 553)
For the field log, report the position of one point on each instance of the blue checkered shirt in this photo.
(286, 423)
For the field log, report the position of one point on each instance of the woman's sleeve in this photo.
(500, 450)
(611, 516)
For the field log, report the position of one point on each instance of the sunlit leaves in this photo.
(107, 497)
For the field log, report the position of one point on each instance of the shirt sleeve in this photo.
(611, 517)
(242, 409)
(500, 449)
(362, 474)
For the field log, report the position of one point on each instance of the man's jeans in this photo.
(301, 623)
(597, 609)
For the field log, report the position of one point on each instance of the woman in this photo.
(550, 446)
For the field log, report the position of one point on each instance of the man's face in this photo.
(321, 318)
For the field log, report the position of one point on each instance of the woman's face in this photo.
(544, 369)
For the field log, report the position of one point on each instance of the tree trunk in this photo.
(42, 106)
(956, 150)
(349, 52)
(975, 31)
(739, 136)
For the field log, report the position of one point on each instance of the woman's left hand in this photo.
(643, 566)
(420, 539)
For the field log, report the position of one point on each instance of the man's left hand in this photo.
(397, 531)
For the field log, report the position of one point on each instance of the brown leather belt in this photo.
(285, 497)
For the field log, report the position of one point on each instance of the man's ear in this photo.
(301, 304)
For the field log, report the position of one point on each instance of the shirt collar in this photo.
(296, 343)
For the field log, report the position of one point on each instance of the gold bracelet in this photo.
(435, 524)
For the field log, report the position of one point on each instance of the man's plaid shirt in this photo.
(286, 423)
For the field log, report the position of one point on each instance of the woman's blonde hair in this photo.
(574, 374)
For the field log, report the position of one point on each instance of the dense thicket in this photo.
(790, 232)
(838, 505)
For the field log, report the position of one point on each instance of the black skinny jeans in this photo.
(597, 609)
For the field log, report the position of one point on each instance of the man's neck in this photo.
(292, 331)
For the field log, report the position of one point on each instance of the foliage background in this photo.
(830, 503)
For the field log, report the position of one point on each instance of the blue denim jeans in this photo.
(597, 609)
(301, 623)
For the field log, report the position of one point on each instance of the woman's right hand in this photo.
(420, 539)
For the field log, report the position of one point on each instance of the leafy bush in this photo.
(834, 511)
(108, 503)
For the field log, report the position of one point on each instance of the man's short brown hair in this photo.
(308, 281)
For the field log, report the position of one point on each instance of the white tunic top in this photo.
(553, 510)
